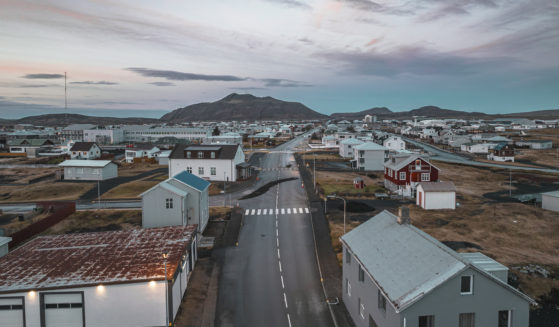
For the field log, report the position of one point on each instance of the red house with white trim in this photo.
(403, 173)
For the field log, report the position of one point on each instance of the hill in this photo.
(243, 107)
(377, 111)
(66, 119)
(426, 111)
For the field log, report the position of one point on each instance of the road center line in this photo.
(282, 284)
(285, 299)
(289, 320)
(279, 263)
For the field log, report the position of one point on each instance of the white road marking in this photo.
(252, 212)
(279, 263)
(282, 284)
(288, 211)
(246, 212)
(282, 211)
(306, 210)
(279, 257)
(271, 211)
(258, 212)
(277, 211)
(277, 242)
(276, 223)
(289, 320)
(285, 299)
(294, 210)
(277, 233)
(300, 210)
(265, 212)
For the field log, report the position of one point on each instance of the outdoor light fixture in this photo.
(334, 196)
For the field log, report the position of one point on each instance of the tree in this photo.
(216, 131)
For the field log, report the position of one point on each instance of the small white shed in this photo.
(550, 201)
(436, 195)
(89, 170)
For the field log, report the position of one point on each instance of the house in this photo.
(140, 150)
(178, 201)
(98, 279)
(31, 147)
(394, 143)
(75, 132)
(330, 141)
(402, 173)
(436, 195)
(212, 162)
(104, 135)
(162, 157)
(502, 152)
(535, 144)
(4, 242)
(475, 147)
(369, 156)
(550, 201)
(395, 275)
(347, 146)
(89, 170)
(85, 150)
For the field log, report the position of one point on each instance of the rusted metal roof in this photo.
(87, 259)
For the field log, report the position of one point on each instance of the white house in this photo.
(436, 195)
(85, 150)
(4, 241)
(394, 143)
(31, 147)
(535, 144)
(213, 162)
(225, 138)
(141, 150)
(104, 136)
(329, 141)
(89, 170)
(475, 147)
(98, 279)
(550, 201)
(369, 156)
(347, 146)
(178, 201)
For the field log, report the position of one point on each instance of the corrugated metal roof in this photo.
(4, 240)
(82, 146)
(172, 188)
(86, 259)
(405, 262)
(351, 141)
(552, 193)
(438, 186)
(227, 151)
(84, 163)
(370, 146)
(482, 261)
(192, 180)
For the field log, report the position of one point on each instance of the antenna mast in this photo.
(65, 98)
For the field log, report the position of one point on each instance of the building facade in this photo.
(369, 156)
(85, 150)
(89, 170)
(436, 195)
(403, 173)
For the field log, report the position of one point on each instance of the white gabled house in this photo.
(347, 147)
(178, 201)
(85, 150)
(475, 147)
(141, 150)
(89, 170)
(394, 143)
(369, 156)
(224, 162)
(436, 195)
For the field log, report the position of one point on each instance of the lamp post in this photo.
(314, 171)
(165, 255)
(334, 196)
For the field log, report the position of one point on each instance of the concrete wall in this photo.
(488, 298)
(88, 173)
(155, 212)
(373, 160)
(550, 202)
(366, 293)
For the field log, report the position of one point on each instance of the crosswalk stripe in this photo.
(306, 210)
(277, 211)
(253, 210)
(300, 210)
(294, 210)
(265, 212)
(288, 211)
(282, 211)
(271, 211)
(258, 212)
(246, 212)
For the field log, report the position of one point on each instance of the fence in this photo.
(60, 210)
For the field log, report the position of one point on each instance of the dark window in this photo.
(347, 256)
(427, 321)
(466, 285)
(381, 301)
(467, 320)
(17, 306)
(63, 305)
(504, 318)
(169, 203)
(361, 274)
(5, 307)
(77, 305)
(51, 306)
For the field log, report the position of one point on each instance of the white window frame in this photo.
(348, 287)
(213, 171)
(169, 203)
(189, 170)
(471, 285)
(200, 171)
(362, 310)
(425, 177)
(402, 175)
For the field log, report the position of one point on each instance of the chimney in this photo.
(404, 216)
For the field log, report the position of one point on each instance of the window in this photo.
(418, 164)
(95, 171)
(200, 155)
(425, 177)
(361, 274)
(189, 170)
(213, 155)
(213, 171)
(347, 256)
(381, 301)
(169, 203)
(188, 154)
(200, 170)
(467, 320)
(348, 287)
(361, 308)
(426, 321)
(505, 318)
(402, 175)
(466, 284)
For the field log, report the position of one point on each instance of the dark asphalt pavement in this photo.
(271, 278)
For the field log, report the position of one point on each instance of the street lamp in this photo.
(165, 255)
(334, 196)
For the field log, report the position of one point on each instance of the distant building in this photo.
(226, 138)
(550, 201)
(85, 150)
(31, 147)
(394, 143)
(141, 150)
(98, 279)
(402, 173)
(369, 156)
(502, 152)
(347, 147)
(178, 201)
(75, 132)
(212, 162)
(144, 133)
(475, 147)
(104, 135)
(89, 170)
(535, 144)
(436, 195)
(395, 275)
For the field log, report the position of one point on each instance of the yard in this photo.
(97, 221)
(341, 183)
(134, 188)
(45, 191)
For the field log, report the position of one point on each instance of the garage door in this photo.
(11, 312)
(63, 309)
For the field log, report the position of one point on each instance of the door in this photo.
(11, 312)
(62, 309)
(419, 196)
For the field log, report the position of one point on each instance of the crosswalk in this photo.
(277, 211)
(276, 169)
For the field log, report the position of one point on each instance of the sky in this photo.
(144, 58)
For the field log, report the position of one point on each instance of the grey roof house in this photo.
(396, 275)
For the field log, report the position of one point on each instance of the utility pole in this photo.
(224, 194)
(98, 196)
(314, 171)
(65, 97)
(510, 183)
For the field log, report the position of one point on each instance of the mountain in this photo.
(377, 111)
(66, 119)
(242, 107)
(539, 114)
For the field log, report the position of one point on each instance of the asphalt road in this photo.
(446, 156)
(271, 278)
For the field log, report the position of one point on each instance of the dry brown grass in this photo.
(342, 182)
(15, 225)
(322, 156)
(547, 157)
(134, 188)
(44, 191)
(25, 175)
(98, 220)
(219, 212)
(132, 169)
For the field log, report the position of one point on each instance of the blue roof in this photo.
(192, 180)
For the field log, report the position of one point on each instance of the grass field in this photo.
(134, 188)
(44, 191)
(97, 220)
(342, 183)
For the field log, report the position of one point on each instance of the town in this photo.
(360, 222)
